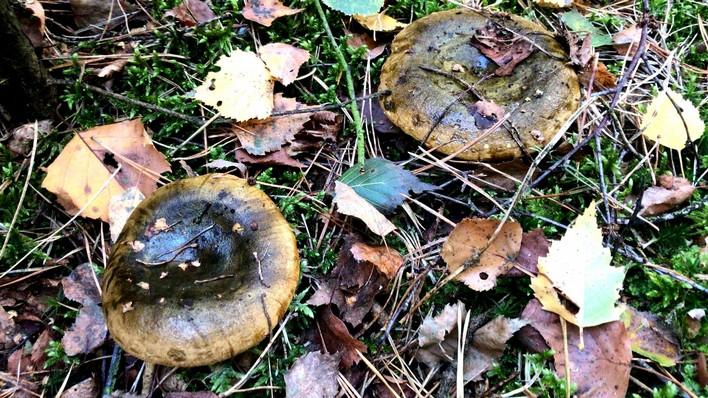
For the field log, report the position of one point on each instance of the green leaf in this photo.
(383, 183)
(577, 23)
(351, 7)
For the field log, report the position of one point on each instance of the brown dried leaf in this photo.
(28, 359)
(486, 113)
(603, 78)
(533, 245)
(20, 143)
(265, 12)
(87, 333)
(277, 158)
(259, 137)
(86, 163)
(330, 334)
(650, 337)
(626, 41)
(85, 389)
(283, 61)
(501, 46)
(91, 12)
(437, 336)
(33, 23)
(386, 260)
(602, 368)
(671, 192)
(192, 12)
(468, 241)
(313, 375)
(81, 285)
(351, 204)
(8, 330)
(323, 127)
(488, 344)
(374, 49)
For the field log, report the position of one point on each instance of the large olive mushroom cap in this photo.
(542, 92)
(203, 270)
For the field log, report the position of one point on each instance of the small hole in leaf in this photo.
(212, 87)
(110, 160)
(219, 103)
(483, 276)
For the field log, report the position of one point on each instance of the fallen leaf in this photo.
(379, 22)
(693, 320)
(627, 40)
(82, 285)
(21, 138)
(120, 208)
(663, 123)
(86, 163)
(374, 49)
(277, 158)
(33, 24)
(382, 183)
(350, 203)
(258, 137)
(265, 12)
(192, 12)
(702, 370)
(578, 267)
(8, 330)
(99, 12)
(602, 368)
(468, 246)
(671, 192)
(372, 114)
(313, 375)
(221, 164)
(582, 26)
(322, 128)
(486, 113)
(87, 333)
(533, 246)
(349, 7)
(386, 260)
(330, 334)
(603, 78)
(505, 48)
(283, 61)
(488, 344)
(362, 272)
(650, 337)
(85, 389)
(554, 3)
(242, 89)
(437, 335)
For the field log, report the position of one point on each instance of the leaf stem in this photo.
(360, 147)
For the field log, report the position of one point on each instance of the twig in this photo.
(112, 371)
(673, 215)
(216, 278)
(360, 147)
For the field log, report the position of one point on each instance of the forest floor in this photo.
(146, 64)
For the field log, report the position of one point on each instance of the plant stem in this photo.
(360, 147)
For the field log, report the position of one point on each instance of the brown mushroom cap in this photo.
(225, 300)
(543, 90)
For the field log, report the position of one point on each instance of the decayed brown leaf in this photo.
(20, 142)
(533, 245)
(488, 344)
(374, 49)
(82, 170)
(265, 12)
(283, 61)
(313, 375)
(501, 46)
(362, 272)
(192, 12)
(330, 334)
(32, 359)
(602, 368)
(486, 113)
(99, 12)
(85, 389)
(437, 336)
(322, 128)
(468, 246)
(671, 192)
(258, 137)
(82, 285)
(350, 203)
(33, 24)
(87, 333)
(650, 337)
(279, 158)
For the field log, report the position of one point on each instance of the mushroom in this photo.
(440, 83)
(203, 270)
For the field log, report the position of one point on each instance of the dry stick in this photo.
(360, 147)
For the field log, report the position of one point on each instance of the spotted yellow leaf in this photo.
(242, 89)
(663, 123)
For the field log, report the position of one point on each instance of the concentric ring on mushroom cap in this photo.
(210, 286)
(542, 92)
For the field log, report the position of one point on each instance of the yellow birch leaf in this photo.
(578, 267)
(379, 22)
(662, 122)
(241, 90)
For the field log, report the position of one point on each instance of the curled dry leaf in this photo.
(533, 246)
(578, 266)
(120, 208)
(650, 337)
(241, 90)
(437, 336)
(386, 260)
(87, 333)
(313, 375)
(601, 79)
(265, 12)
(192, 12)
(82, 285)
(672, 125)
(671, 192)
(258, 137)
(83, 169)
(279, 158)
(379, 22)
(283, 61)
(351, 204)
(468, 246)
(505, 48)
(602, 368)
(330, 334)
